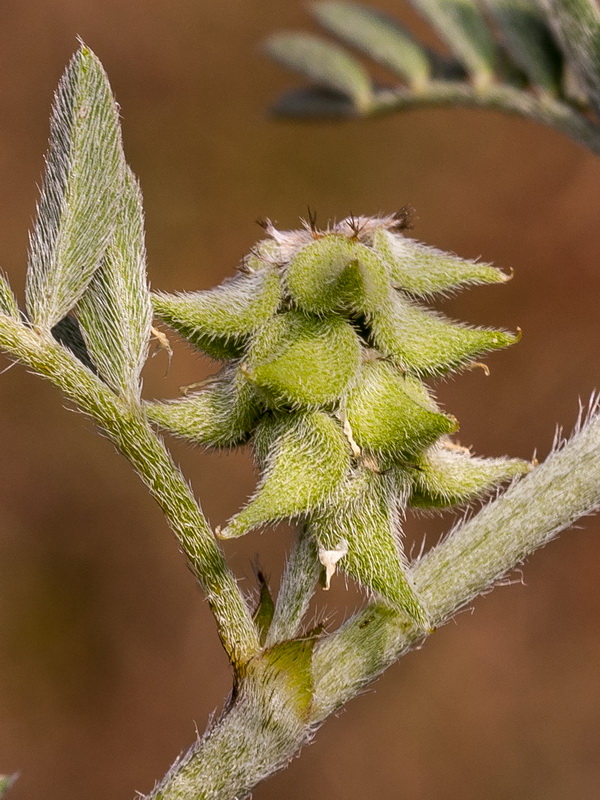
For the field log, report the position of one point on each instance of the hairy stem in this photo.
(127, 428)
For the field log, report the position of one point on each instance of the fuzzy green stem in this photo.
(494, 97)
(128, 429)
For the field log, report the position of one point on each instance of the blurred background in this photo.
(109, 660)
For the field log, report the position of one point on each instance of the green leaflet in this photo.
(365, 515)
(115, 312)
(448, 477)
(80, 196)
(423, 271)
(426, 343)
(391, 415)
(8, 302)
(462, 26)
(523, 27)
(305, 457)
(218, 321)
(304, 360)
(379, 37)
(324, 63)
(221, 415)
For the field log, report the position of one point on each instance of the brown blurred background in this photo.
(108, 655)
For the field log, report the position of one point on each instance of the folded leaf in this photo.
(324, 63)
(379, 37)
(426, 343)
(115, 312)
(366, 516)
(421, 270)
(305, 457)
(304, 360)
(390, 417)
(448, 477)
(218, 321)
(221, 415)
(80, 195)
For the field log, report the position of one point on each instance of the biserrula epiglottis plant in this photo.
(325, 344)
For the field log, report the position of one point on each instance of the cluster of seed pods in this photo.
(325, 347)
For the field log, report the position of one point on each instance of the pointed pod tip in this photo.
(453, 424)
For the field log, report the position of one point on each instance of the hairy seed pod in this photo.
(364, 513)
(391, 414)
(305, 456)
(423, 271)
(219, 321)
(312, 277)
(426, 343)
(222, 414)
(450, 476)
(304, 360)
(329, 345)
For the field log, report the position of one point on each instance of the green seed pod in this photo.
(265, 254)
(365, 515)
(425, 342)
(337, 273)
(305, 457)
(365, 283)
(218, 321)
(451, 476)
(312, 277)
(423, 271)
(302, 360)
(221, 415)
(391, 414)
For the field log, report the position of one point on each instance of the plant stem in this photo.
(128, 429)
(545, 109)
